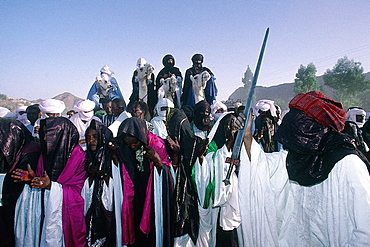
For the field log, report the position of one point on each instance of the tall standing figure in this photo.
(199, 83)
(143, 85)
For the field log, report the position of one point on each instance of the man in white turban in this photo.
(217, 109)
(266, 124)
(161, 109)
(355, 120)
(49, 108)
(83, 118)
(22, 115)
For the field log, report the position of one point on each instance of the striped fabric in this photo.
(323, 109)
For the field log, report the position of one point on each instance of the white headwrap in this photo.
(106, 70)
(367, 116)
(6, 113)
(216, 106)
(51, 106)
(352, 116)
(141, 62)
(84, 105)
(164, 102)
(22, 117)
(85, 109)
(21, 108)
(264, 105)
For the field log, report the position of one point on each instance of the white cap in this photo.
(264, 105)
(84, 105)
(52, 106)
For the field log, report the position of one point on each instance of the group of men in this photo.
(198, 84)
(125, 178)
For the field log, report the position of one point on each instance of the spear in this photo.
(234, 159)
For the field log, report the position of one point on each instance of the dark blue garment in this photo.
(187, 97)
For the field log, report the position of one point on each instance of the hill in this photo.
(283, 93)
(12, 104)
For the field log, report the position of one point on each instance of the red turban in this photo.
(321, 108)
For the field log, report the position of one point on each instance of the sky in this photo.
(49, 47)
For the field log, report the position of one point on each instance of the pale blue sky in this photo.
(50, 47)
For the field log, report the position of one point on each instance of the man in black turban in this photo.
(210, 91)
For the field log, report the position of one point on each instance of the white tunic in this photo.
(279, 212)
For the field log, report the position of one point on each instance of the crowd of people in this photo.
(152, 172)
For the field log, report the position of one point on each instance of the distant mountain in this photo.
(283, 93)
(12, 104)
(69, 100)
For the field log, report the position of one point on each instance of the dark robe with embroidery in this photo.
(102, 220)
(17, 150)
(137, 182)
(187, 215)
(152, 92)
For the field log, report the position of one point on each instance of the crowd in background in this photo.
(159, 171)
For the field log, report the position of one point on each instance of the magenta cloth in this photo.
(40, 167)
(158, 145)
(29, 147)
(128, 231)
(72, 180)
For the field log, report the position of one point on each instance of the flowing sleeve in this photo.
(257, 197)
(358, 188)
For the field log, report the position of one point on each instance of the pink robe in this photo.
(128, 233)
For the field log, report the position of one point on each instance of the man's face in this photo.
(108, 108)
(116, 109)
(133, 143)
(53, 114)
(137, 112)
(92, 140)
(204, 115)
(33, 115)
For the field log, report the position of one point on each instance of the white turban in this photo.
(164, 102)
(85, 109)
(264, 105)
(6, 113)
(21, 108)
(356, 115)
(106, 70)
(84, 105)
(22, 117)
(52, 106)
(141, 62)
(217, 105)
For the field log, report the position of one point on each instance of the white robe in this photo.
(279, 212)
(27, 219)
(225, 201)
(160, 128)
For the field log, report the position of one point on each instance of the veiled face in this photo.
(137, 112)
(92, 140)
(133, 143)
